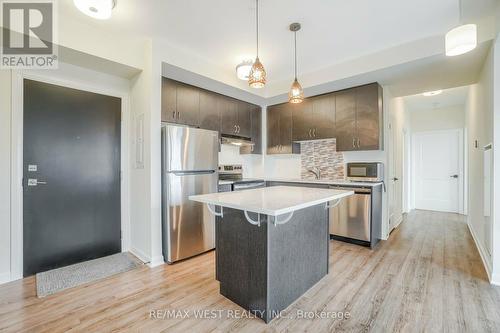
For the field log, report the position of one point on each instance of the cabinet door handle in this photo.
(359, 141)
(173, 114)
(310, 135)
(239, 128)
(314, 132)
(234, 129)
(178, 115)
(353, 142)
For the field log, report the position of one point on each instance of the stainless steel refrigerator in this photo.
(189, 166)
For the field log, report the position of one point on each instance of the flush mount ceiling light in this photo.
(296, 94)
(461, 39)
(243, 69)
(257, 77)
(98, 9)
(432, 93)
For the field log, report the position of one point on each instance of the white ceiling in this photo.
(449, 97)
(222, 32)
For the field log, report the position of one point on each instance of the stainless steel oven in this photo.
(365, 172)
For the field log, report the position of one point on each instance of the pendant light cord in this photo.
(460, 14)
(295, 42)
(257, 24)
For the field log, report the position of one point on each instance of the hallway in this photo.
(427, 277)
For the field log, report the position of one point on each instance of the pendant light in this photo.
(257, 76)
(296, 94)
(461, 39)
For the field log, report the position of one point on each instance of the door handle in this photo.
(353, 142)
(359, 141)
(454, 176)
(235, 129)
(239, 128)
(173, 114)
(178, 115)
(310, 135)
(35, 182)
(314, 132)
(395, 179)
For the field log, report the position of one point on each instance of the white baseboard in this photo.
(483, 255)
(141, 255)
(398, 222)
(157, 261)
(5, 277)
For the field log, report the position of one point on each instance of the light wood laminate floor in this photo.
(428, 277)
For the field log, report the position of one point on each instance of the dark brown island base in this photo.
(267, 258)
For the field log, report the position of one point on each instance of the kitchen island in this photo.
(271, 244)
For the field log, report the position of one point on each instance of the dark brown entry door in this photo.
(71, 176)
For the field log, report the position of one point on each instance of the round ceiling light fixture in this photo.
(257, 77)
(243, 69)
(461, 40)
(296, 94)
(432, 93)
(98, 9)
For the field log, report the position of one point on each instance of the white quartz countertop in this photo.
(274, 201)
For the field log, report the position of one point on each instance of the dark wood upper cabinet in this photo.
(369, 120)
(209, 113)
(244, 123)
(323, 115)
(302, 120)
(279, 130)
(168, 100)
(273, 129)
(188, 105)
(256, 132)
(228, 110)
(314, 118)
(359, 120)
(345, 122)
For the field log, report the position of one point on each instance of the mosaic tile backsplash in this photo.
(324, 156)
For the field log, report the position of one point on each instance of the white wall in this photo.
(479, 124)
(496, 160)
(5, 114)
(437, 119)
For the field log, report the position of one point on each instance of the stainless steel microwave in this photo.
(365, 172)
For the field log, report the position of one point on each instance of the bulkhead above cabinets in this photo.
(354, 117)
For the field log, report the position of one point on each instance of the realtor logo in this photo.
(28, 34)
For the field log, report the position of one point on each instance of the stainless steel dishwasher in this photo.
(351, 219)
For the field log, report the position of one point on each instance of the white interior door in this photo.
(438, 172)
(395, 174)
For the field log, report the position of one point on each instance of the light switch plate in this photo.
(32, 167)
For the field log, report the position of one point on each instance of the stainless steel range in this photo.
(231, 179)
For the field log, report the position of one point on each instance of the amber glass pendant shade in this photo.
(257, 77)
(296, 94)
